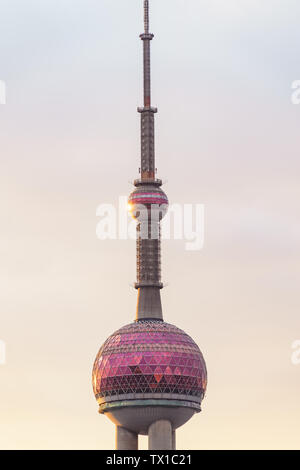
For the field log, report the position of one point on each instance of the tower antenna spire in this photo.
(146, 16)
(146, 38)
(147, 111)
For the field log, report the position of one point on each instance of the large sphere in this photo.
(146, 371)
(145, 199)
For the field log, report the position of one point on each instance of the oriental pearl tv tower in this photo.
(149, 377)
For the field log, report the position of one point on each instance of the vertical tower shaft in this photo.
(148, 194)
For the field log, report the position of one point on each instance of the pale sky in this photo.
(227, 137)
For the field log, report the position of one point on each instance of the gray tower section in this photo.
(148, 229)
(147, 140)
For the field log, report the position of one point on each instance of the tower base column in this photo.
(160, 435)
(174, 439)
(125, 439)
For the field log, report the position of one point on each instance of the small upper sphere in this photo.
(147, 358)
(148, 201)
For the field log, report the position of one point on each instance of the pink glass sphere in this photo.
(145, 199)
(149, 357)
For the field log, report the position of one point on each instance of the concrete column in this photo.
(160, 435)
(174, 439)
(125, 439)
(149, 304)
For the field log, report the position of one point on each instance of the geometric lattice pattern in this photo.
(149, 357)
